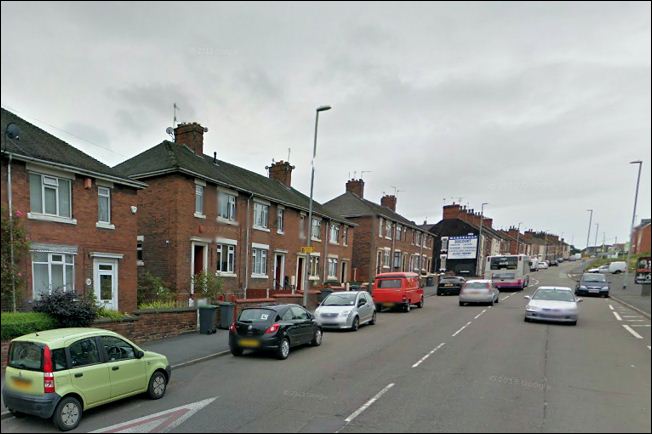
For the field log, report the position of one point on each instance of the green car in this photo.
(61, 373)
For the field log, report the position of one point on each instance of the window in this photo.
(226, 258)
(302, 227)
(199, 200)
(380, 227)
(345, 237)
(386, 259)
(49, 195)
(226, 206)
(280, 217)
(335, 233)
(388, 229)
(397, 259)
(399, 228)
(316, 229)
(260, 262)
(117, 349)
(84, 352)
(314, 267)
(299, 313)
(261, 216)
(139, 249)
(332, 268)
(104, 205)
(52, 271)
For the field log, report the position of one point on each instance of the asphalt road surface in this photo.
(440, 368)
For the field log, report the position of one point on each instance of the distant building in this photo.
(641, 238)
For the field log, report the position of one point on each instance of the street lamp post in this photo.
(312, 183)
(631, 228)
(597, 229)
(588, 235)
(518, 233)
(479, 261)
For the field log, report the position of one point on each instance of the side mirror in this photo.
(362, 303)
(527, 297)
(579, 300)
(140, 354)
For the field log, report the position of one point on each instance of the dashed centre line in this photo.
(480, 314)
(368, 404)
(460, 330)
(631, 330)
(423, 359)
(611, 307)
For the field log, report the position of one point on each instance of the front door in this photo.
(300, 270)
(279, 270)
(343, 276)
(106, 283)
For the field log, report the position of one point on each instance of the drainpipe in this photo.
(11, 234)
(391, 258)
(246, 259)
(326, 241)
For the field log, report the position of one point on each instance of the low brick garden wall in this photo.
(144, 326)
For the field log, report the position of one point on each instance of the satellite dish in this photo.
(170, 131)
(12, 131)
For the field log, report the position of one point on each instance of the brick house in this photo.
(641, 238)
(204, 214)
(79, 216)
(547, 246)
(384, 240)
(518, 245)
(456, 240)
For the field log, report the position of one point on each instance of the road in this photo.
(440, 368)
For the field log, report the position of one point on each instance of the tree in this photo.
(14, 241)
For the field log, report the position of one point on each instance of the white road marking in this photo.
(480, 314)
(640, 325)
(631, 330)
(635, 320)
(632, 316)
(164, 421)
(505, 298)
(617, 316)
(611, 307)
(423, 359)
(649, 348)
(458, 332)
(368, 404)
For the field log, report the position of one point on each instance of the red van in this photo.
(397, 289)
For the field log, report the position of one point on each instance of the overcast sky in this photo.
(534, 108)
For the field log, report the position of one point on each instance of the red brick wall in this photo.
(84, 235)
(641, 240)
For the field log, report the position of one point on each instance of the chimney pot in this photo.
(389, 201)
(355, 186)
(191, 135)
(282, 172)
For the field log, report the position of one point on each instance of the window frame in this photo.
(261, 212)
(230, 259)
(64, 263)
(57, 193)
(335, 229)
(259, 265)
(106, 195)
(199, 200)
(228, 201)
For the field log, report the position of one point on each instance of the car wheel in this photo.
(316, 340)
(16, 414)
(461, 304)
(407, 307)
(283, 350)
(491, 303)
(420, 303)
(373, 319)
(236, 351)
(438, 293)
(574, 323)
(526, 319)
(157, 385)
(498, 299)
(356, 324)
(67, 414)
(379, 307)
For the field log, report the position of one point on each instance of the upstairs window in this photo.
(280, 220)
(104, 205)
(226, 204)
(316, 229)
(335, 233)
(399, 228)
(302, 227)
(50, 195)
(380, 227)
(199, 200)
(388, 229)
(345, 237)
(261, 216)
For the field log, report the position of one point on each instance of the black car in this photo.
(450, 285)
(554, 263)
(275, 329)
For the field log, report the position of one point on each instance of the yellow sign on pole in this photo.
(307, 250)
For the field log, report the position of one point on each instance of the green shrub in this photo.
(207, 285)
(153, 289)
(68, 308)
(103, 313)
(162, 305)
(22, 323)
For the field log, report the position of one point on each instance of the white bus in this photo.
(508, 271)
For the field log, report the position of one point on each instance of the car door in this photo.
(88, 372)
(127, 373)
(365, 309)
(303, 323)
(291, 327)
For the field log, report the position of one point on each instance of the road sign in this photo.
(307, 250)
(164, 421)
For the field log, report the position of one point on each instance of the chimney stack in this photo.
(355, 186)
(389, 201)
(451, 212)
(191, 135)
(282, 172)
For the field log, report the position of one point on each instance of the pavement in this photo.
(438, 369)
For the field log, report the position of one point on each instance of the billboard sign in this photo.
(463, 247)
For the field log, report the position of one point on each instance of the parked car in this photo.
(554, 263)
(600, 269)
(552, 303)
(615, 267)
(593, 283)
(450, 285)
(397, 289)
(274, 328)
(346, 310)
(61, 373)
(542, 265)
(479, 291)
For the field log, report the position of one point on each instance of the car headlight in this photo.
(605, 288)
(531, 308)
(345, 313)
(582, 287)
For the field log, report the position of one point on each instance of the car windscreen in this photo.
(594, 278)
(26, 355)
(452, 279)
(504, 276)
(388, 283)
(552, 294)
(257, 315)
(344, 299)
(476, 286)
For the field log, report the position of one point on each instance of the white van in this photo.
(617, 267)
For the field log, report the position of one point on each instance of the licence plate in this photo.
(22, 384)
(448, 284)
(249, 343)
(594, 290)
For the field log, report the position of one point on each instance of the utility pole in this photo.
(479, 260)
(631, 229)
(588, 235)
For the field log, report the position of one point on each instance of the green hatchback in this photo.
(61, 373)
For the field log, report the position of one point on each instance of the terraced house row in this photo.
(174, 212)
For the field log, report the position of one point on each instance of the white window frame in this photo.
(380, 227)
(261, 212)
(231, 200)
(387, 258)
(104, 193)
(335, 230)
(332, 268)
(259, 263)
(199, 201)
(280, 220)
(50, 216)
(64, 263)
(388, 229)
(228, 250)
(313, 268)
(399, 229)
(345, 235)
(140, 240)
(316, 222)
(302, 227)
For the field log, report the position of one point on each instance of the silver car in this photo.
(346, 310)
(552, 303)
(479, 291)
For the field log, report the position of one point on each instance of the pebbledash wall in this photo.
(84, 235)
